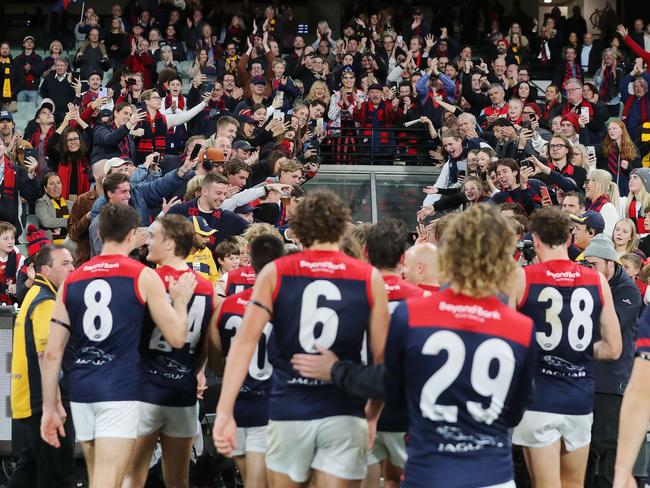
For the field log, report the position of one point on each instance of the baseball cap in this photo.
(591, 219)
(258, 80)
(104, 113)
(201, 226)
(46, 103)
(28, 37)
(601, 247)
(6, 115)
(243, 145)
(113, 163)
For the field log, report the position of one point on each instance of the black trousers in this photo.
(39, 464)
(604, 436)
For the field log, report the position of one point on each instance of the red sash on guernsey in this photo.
(633, 214)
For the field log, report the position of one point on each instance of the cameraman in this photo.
(611, 377)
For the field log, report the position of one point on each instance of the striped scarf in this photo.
(598, 203)
(154, 138)
(8, 180)
(7, 94)
(613, 161)
(61, 209)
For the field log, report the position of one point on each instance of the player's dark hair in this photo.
(44, 256)
(551, 225)
(321, 216)
(386, 243)
(180, 230)
(264, 249)
(116, 220)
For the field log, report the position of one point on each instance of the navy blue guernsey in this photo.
(320, 297)
(106, 315)
(169, 374)
(252, 405)
(466, 367)
(564, 300)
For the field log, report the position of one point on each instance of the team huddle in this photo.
(337, 371)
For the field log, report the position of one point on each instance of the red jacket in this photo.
(386, 117)
(141, 63)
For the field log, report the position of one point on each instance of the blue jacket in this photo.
(632, 119)
(147, 195)
(105, 142)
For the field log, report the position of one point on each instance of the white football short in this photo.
(334, 445)
(250, 439)
(105, 419)
(388, 445)
(541, 429)
(170, 421)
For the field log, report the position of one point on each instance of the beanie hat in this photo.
(36, 239)
(573, 118)
(644, 175)
(601, 247)
(503, 41)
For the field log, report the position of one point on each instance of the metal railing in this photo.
(375, 191)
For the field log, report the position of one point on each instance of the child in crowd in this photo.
(227, 256)
(10, 262)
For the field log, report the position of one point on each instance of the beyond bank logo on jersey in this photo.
(323, 266)
(472, 312)
(564, 275)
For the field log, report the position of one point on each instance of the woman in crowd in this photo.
(618, 155)
(625, 237)
(519, 52)
(553, 106)
(166, 60)
(522, 92)
(56, 50)
(68, 157)
(637, 201)
(117, 43)
(603, 197)
(319, 91)
(115, 139)
(202, 65)
(52, 209)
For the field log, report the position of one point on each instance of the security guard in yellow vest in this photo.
(39, 464)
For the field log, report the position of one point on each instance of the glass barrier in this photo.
(374, 192)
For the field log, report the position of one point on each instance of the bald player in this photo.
(420, 266)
